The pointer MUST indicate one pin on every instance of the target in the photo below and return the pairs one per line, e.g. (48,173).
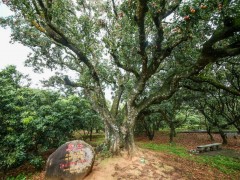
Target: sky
(16,54)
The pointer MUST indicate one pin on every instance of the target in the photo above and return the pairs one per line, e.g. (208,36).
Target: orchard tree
(133,47)
(219,104)
(172,111)
(149,121)
(33,120)
(10,80)
(169,113)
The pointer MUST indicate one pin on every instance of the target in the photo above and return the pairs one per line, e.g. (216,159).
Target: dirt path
(149,165)
(144,165)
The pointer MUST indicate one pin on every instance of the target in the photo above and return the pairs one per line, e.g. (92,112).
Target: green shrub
(37,162)
(32,120)
(19,177)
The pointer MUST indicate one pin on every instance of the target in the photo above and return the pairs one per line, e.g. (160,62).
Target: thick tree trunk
(210,134)
(90,136)
(150,134)
(150,131)
(208,127)
(223,136)
(97,130)
(120,137)
(172,133)
(120,140)
(128,139)
(127,131)
(112,138)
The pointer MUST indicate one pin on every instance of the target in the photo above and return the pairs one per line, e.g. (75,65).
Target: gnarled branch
(214,83)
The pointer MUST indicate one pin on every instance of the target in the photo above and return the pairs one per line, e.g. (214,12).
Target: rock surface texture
(71,161)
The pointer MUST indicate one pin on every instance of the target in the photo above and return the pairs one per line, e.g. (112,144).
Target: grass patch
(168,148)
(19,177)
(225,164)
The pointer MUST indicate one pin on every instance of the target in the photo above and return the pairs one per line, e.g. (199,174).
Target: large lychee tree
(142,50)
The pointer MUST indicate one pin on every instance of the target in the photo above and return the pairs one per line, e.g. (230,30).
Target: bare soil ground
(156,166)
(143,165)
(192,140)
(159,165)
(151,165)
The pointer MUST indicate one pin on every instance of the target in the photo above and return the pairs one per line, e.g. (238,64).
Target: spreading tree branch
(210,54)
(141,11)
(214,83)
(120,65)
(114,9)
(116,101)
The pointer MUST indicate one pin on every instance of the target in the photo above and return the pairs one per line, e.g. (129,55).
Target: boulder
(71,161)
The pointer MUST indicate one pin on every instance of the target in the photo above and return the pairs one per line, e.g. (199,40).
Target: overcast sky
(16,54)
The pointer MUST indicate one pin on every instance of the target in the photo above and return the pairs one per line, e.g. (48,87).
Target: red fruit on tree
(186,18)
(192,10)
(203,6)
(220,6)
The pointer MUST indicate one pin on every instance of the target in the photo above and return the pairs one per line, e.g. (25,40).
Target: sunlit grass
(225,164)
(169,148)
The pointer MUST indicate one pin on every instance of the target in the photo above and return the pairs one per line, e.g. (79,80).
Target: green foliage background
(33,121)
